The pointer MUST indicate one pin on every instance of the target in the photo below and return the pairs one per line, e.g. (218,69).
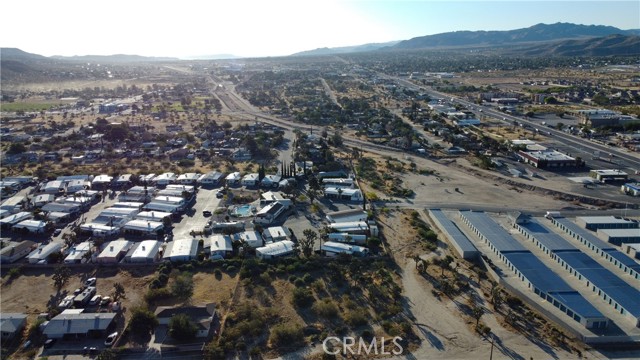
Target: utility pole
(491,353)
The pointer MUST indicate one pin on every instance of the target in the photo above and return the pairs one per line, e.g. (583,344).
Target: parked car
(66,302)
(206,213)
(219,194)
(57,232)
(77,291)
(90,282)
(95,300)
(105,301)
(49,343)
(111,339)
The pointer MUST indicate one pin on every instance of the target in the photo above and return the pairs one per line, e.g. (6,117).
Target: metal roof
(617,289)
(605,220)
(547,238)
(624,233)
(277,248)
(551,283)
(452,230)
(78,323)
(495,234)
(585,234)
(624,259)
(537,272)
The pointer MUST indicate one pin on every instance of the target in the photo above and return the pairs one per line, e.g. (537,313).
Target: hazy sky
(272,27)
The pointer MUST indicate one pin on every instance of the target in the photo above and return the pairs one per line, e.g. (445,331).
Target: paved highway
(630,161)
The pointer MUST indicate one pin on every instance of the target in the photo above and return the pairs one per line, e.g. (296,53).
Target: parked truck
(552,214)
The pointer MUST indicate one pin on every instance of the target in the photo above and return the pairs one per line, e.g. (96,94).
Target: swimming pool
(243,211)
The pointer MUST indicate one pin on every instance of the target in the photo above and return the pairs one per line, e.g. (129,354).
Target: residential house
(251,238)
(343,194)
(241,155)
(213,178)
(15,251)
(114,251)
(8,221)
(143,227)
(233,179)
(188,178)
(276,233)
(204,317)
(276,250)
(331,248)
(101,182)
(165,179)
(71,325)
(250,179)
(147,251)
(42,253)
(78,252)
(349,215)
(31,226)
(181,250)
(11,325)
(221,246)
(271,181)
(269,213)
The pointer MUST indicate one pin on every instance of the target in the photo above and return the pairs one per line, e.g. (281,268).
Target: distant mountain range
(118,58)
(600,46)
(346,49)
(534,34)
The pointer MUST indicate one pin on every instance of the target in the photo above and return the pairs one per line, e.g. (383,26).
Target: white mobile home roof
(16,218)
(147,178)
(43,199)
(214,176)
(128,204)
(166,177)
(221,243)
(336,247)
(350,226)
(233,176)
(277,232)
(152,215)
(346,237)
(252,238)
(77,252)
(164,207)
(139,190)
(124,178)
(4,213)
(53,186)
(43,252)
(146,249)
(34,225)
(102,179)
(113,248)
(119,212)
(169,199)
(351,215)
(66,207)
(181,249)
(272,196)
(143,225)
(188,188)
(276,249)
(188,177)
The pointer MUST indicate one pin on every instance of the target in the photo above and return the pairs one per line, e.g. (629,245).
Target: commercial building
(537,276)
(275,250)
(606,222)
(609,175)
(463,246)
(548,159)
(632,189)
(619,236)
(599,247)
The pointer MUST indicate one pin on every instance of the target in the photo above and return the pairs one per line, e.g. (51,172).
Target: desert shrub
(283,334)
(355,318)
(326,309)
(157,294)
(302,297)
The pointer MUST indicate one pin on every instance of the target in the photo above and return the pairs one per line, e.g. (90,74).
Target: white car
(95,300)
(111,339)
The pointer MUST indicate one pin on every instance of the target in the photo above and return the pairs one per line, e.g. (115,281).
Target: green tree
(477,312)
(16,148)
(118,292)
(182,328)
(306,244)
(61,276)
(182,287)
(142,321)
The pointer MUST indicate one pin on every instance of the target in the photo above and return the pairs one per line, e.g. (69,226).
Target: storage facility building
(463,246)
